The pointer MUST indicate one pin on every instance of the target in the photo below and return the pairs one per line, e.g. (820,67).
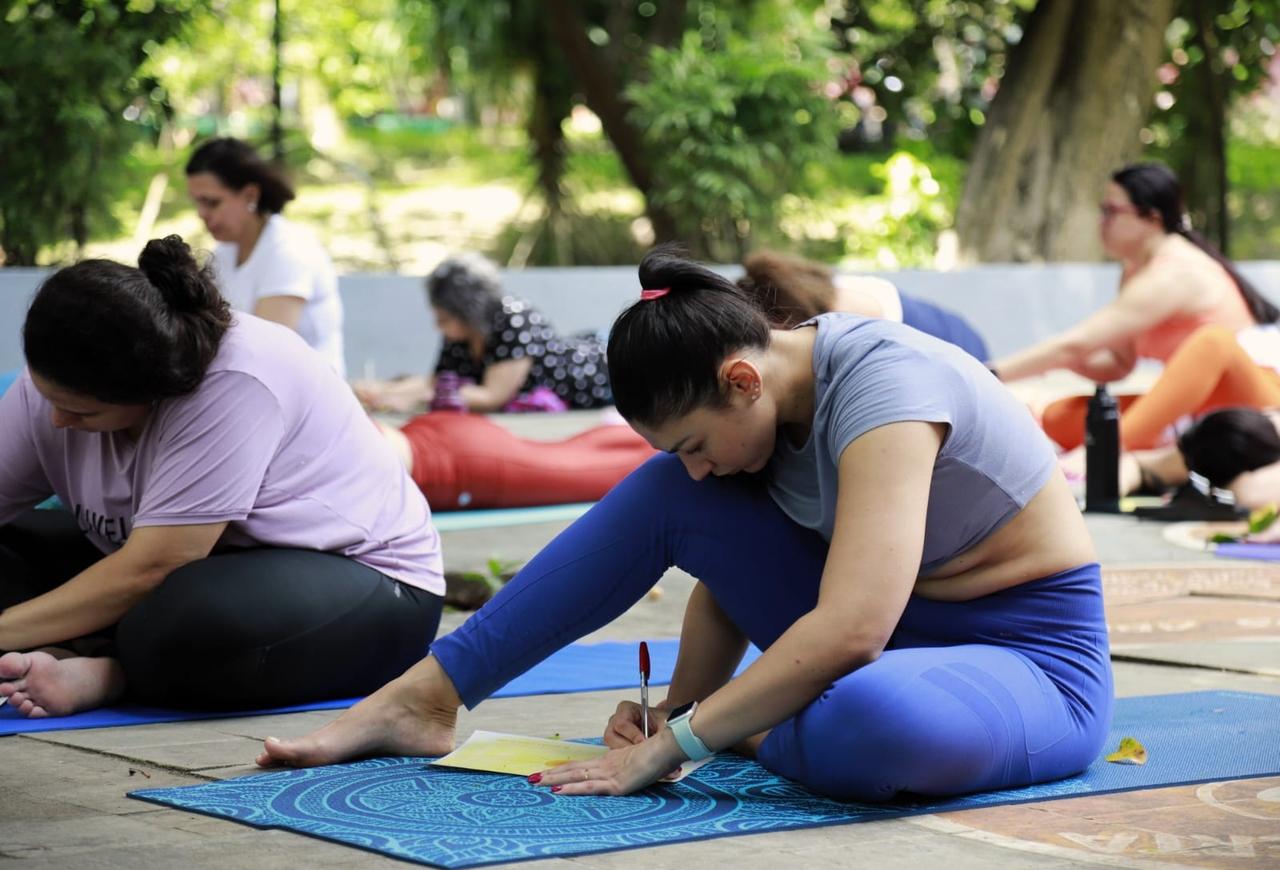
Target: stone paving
(1182,621)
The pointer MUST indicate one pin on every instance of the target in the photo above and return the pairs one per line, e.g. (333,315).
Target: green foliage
(396,155)
(1254,199)
(497,572)
(596,238)
(931,66)
(1218,53)
(732,126)
(360,57)
(886,213)
(73,106)
(369,55)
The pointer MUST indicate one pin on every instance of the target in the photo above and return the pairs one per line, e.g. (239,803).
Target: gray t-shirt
(869,373)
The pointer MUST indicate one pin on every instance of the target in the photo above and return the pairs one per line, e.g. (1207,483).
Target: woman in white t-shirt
(265,264)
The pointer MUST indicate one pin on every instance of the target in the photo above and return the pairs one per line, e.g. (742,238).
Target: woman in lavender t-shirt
(236,532)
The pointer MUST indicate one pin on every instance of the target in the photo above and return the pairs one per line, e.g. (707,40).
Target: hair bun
(171,267)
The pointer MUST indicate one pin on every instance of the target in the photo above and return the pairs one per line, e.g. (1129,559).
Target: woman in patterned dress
(504,353)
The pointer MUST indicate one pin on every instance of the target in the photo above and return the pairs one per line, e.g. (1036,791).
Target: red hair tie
(650,295)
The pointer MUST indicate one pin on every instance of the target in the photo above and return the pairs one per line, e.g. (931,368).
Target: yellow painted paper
(1130,752)
(517,755)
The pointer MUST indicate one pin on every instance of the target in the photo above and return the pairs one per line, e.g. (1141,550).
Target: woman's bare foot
(38,684)
(414,714)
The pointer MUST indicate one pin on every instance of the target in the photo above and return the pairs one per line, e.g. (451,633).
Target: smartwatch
(682,730)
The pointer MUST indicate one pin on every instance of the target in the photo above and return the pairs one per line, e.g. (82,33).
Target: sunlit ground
(422,223)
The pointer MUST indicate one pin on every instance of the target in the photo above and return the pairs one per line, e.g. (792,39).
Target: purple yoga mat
(1262,552)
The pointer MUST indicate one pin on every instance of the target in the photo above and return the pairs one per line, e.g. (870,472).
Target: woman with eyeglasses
(1180,302)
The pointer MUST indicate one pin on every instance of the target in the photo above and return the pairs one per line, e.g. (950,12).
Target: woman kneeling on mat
(866,504)
(237,534)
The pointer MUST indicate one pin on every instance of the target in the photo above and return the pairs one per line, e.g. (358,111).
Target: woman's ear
(740,378)
(252,193)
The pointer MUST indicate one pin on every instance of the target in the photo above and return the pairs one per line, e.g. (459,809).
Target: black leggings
(241,629)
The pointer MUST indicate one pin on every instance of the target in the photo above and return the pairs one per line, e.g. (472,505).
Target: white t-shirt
(287,261)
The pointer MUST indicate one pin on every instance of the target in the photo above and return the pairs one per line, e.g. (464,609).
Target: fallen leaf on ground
(1130,752)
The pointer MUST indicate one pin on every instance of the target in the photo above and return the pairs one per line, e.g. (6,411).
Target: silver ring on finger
(585,775)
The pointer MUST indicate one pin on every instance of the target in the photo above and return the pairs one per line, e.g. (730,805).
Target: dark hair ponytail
(236,164)
(128,336)
(1154,190)
(1225,444)
(664,353)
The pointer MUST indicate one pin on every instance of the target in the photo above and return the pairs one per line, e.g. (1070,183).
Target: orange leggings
(468,461)
(1209,370)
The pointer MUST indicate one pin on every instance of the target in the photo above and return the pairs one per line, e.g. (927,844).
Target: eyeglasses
(1110,210)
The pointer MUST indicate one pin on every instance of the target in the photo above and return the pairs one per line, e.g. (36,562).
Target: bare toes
(14,666)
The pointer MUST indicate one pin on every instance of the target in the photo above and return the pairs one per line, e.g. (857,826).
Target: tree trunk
(552,102)
(1204,168)
(604,96)
(1077,92)
(277,104)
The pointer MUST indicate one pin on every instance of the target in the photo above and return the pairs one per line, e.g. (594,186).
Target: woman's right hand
(369,393)
(626,725)
(401,396)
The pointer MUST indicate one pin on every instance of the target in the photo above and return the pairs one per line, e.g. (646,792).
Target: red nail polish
(556,788)
(535,778)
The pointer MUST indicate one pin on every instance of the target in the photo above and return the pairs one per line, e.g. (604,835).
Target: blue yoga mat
(577,668)
(460,521)
(453,818)
(463,521)
(1263,552)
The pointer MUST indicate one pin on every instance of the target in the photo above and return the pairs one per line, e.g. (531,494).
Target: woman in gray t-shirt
(866,504)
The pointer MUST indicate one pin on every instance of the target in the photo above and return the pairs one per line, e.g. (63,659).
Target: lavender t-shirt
(272,442)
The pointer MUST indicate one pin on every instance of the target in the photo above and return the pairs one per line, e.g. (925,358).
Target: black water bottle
(1102,454)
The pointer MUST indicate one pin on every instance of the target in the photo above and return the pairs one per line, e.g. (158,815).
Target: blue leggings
(943,324)
(1002,691)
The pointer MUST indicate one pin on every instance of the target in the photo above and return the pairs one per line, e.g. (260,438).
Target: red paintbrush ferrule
(644,659)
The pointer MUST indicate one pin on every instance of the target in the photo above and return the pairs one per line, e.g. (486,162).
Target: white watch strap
(690,744)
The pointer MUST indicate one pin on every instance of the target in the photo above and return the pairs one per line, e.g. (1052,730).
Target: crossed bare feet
(414,714)
(39,684)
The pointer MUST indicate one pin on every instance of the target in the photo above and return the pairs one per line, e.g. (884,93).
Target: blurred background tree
(1068,111)
(887,132)
(1219,56)
(73,103)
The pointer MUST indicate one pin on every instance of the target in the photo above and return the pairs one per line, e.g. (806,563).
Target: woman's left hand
(619,771)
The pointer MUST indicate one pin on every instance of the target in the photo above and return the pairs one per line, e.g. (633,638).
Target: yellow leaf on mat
(1130,752)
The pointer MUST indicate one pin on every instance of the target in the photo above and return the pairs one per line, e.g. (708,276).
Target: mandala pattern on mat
(454,818)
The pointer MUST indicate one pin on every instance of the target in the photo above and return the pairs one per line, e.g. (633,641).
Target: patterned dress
(573,367)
